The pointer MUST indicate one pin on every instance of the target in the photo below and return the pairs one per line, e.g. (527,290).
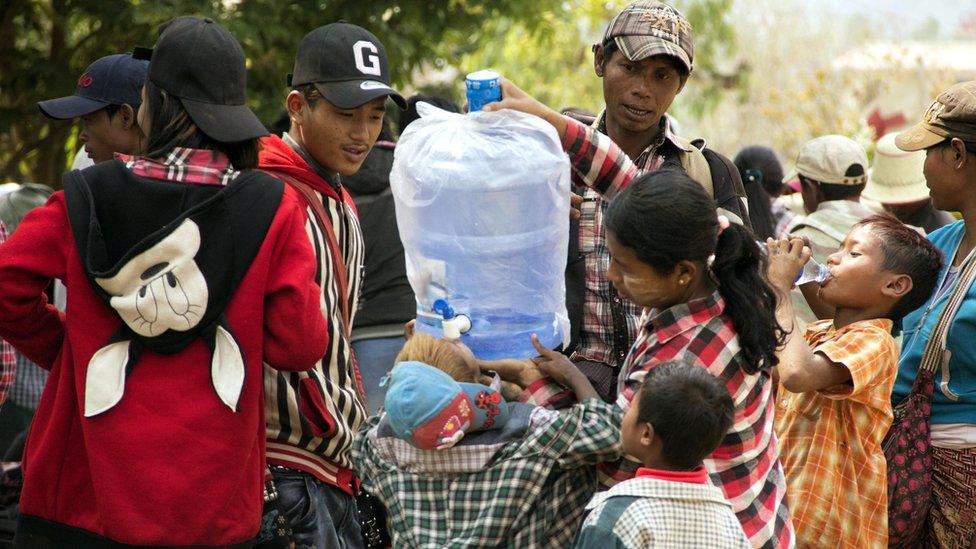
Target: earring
(683,281)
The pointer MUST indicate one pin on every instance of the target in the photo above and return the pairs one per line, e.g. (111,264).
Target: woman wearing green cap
(947,134)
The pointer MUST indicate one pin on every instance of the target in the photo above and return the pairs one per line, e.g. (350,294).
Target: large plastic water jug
(482,204)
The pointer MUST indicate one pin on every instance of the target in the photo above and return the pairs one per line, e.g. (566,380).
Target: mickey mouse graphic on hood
(162,288)
(168,272)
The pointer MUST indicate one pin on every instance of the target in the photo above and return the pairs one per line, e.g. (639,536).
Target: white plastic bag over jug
(482,204)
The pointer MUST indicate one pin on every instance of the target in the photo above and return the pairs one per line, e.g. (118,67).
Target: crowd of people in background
(208,333)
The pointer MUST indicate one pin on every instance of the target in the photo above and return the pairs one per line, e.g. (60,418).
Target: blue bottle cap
(441,307)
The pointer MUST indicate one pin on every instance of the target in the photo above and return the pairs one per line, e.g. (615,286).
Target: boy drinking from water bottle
(834,406)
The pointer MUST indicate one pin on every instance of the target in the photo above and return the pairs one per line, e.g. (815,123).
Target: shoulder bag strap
(322,220)
(936,354)
(695,164)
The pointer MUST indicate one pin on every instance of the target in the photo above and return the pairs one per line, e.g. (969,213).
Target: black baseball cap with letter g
(346,63)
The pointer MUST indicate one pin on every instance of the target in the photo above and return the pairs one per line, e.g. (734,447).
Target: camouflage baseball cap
(952,114)
(648,28)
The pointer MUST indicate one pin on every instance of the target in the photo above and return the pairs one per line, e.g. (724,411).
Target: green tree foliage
(48,43)
(541,44)
(551,58)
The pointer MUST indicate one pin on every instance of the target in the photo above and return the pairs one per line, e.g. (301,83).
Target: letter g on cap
(369,64)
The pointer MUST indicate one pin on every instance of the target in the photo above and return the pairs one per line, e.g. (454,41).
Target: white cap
(832,159)
(896,175)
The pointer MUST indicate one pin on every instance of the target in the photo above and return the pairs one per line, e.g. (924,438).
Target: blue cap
(112,80)
(430,410)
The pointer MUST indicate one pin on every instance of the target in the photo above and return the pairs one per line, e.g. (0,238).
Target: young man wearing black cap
(341,82)
(107,99)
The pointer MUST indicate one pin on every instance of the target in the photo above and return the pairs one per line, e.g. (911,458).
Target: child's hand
(786,259)
(521,372)
(555,365)
(575,203)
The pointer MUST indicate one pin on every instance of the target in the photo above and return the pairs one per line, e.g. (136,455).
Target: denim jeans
(375,357)
(321,516)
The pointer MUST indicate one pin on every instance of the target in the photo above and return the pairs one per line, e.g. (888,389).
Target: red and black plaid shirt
(182,165)
(598,162)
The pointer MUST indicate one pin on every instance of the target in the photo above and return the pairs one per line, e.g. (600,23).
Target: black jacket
(386,296)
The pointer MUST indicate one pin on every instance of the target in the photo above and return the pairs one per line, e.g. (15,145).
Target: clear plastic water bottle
(811,272)
(482,205)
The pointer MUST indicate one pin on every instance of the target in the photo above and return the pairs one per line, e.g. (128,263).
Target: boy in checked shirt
(836,408)
(678,417)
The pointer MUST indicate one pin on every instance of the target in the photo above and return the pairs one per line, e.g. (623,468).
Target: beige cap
(896,175)
(952,114)
(831,159)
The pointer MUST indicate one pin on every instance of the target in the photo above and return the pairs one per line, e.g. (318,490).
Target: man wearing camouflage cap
(644,59)
(947,134)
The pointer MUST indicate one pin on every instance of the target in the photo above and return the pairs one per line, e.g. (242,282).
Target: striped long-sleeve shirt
(312,416)
(8,357)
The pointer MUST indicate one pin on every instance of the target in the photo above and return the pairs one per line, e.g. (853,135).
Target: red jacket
(170,463)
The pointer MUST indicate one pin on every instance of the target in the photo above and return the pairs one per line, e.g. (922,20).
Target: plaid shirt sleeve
(546,393)
(597,161)
(867,351)
(8,358)
(593,434)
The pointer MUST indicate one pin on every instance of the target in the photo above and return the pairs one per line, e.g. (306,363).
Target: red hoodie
(277,156)
(169,464)
(329,397)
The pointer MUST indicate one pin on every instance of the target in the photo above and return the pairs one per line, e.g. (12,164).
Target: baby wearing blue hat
(429,409)
(457,465)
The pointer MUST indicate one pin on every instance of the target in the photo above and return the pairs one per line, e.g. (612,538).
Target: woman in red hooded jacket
(185,272)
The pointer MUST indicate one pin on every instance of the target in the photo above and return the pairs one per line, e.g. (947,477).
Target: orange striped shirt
(830,440)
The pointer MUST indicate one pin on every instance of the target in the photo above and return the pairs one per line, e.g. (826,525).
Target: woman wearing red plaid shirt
(704,299)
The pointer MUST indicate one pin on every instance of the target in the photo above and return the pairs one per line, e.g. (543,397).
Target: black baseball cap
(112,80)
(347,64)
(202,63)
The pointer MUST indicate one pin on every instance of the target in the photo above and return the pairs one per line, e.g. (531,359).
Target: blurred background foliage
(543,44)
(765,70)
